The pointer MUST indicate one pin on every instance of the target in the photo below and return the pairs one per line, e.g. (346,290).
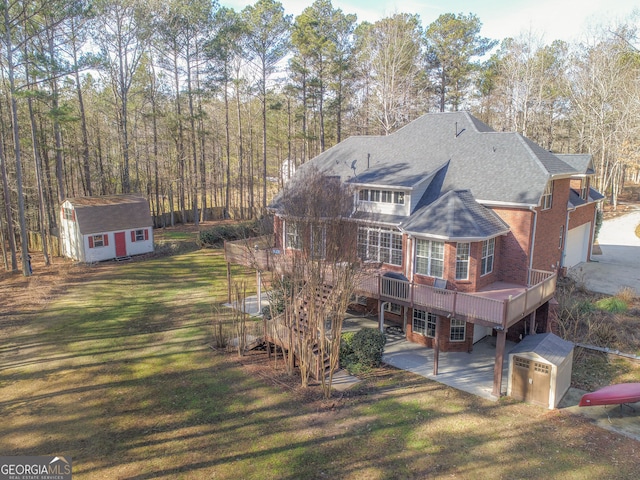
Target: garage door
(577,245)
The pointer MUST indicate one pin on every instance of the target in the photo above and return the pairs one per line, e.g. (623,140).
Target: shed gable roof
(547,345)
(111,213)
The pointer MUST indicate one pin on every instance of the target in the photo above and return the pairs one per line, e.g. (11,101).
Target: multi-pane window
(139,235)
(547,196)
(393,308)
(380,245)
(488,248)
(430,258)
(462,261)
(67,213)
(424,323)
(293,239)
(98,241)
(383,196)
(457,330)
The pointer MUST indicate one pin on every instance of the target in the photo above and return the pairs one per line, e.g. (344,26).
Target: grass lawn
(117,372)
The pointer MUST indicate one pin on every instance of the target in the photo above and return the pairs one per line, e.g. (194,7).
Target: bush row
(361,350)
(217,235)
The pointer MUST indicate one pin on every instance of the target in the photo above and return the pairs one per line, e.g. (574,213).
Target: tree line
(196,105)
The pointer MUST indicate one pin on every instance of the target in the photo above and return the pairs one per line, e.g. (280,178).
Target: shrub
(347,355)
(368,345)
(612,304)
(220,233)
(584,306)
(236,231)
(599,219)
(627,295)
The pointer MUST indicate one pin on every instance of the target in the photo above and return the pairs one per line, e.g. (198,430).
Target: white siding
(71,242)
(98,254)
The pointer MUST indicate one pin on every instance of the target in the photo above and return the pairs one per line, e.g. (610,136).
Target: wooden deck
(498,305)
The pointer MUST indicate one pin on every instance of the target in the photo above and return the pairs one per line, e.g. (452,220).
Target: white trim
(426,236)
(498,203)
(533,240)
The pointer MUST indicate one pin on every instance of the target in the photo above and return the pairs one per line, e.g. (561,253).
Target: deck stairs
(304,308)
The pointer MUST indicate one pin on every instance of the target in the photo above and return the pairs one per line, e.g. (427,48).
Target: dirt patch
(21,296)
(628,201)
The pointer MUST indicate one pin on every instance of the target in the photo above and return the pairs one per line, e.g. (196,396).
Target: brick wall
(582,215)
(547,251)
(517,331)
(446,345)
(278,226)
(513,255)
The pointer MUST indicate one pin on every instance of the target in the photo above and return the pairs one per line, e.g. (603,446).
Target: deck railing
(498,312)
(530,299)
(541,288)
(254,252)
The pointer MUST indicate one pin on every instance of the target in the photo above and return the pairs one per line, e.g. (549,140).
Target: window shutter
(133,235)
(90,242)
(146,234)
(106,239)
(73,214)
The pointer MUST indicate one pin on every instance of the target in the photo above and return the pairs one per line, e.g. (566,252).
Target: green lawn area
(117,372)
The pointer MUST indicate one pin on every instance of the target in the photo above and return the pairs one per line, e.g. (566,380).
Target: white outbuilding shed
(93,229)
(540,369)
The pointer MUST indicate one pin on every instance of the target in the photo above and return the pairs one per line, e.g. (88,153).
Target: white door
(577,245)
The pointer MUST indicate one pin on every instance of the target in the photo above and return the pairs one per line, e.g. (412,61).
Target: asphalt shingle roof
(455,215)
(496,166)
(582,162)
(111,213)
(450,152)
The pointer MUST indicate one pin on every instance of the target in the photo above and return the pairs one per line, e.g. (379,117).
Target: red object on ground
(612,395)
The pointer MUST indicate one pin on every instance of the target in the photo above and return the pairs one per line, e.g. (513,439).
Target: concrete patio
(470,372)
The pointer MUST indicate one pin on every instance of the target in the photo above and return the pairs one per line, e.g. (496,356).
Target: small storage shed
(93,229)
(540,369)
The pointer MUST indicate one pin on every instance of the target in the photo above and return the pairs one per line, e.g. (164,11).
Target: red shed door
(121,245)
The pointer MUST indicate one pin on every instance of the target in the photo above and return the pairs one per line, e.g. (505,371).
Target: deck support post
(381,318)
(404,320)
(497,367)
(228,282)
(259,288)
(436,346)
(532,323)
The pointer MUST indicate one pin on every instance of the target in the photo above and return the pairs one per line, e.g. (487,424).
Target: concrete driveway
(619,264)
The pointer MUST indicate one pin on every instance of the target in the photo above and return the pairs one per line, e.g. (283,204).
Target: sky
(548,19)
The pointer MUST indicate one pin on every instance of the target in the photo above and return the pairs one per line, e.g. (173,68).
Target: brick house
(469,227)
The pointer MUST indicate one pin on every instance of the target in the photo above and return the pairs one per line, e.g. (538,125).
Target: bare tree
(605,96)
(322,269)
(392,49)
